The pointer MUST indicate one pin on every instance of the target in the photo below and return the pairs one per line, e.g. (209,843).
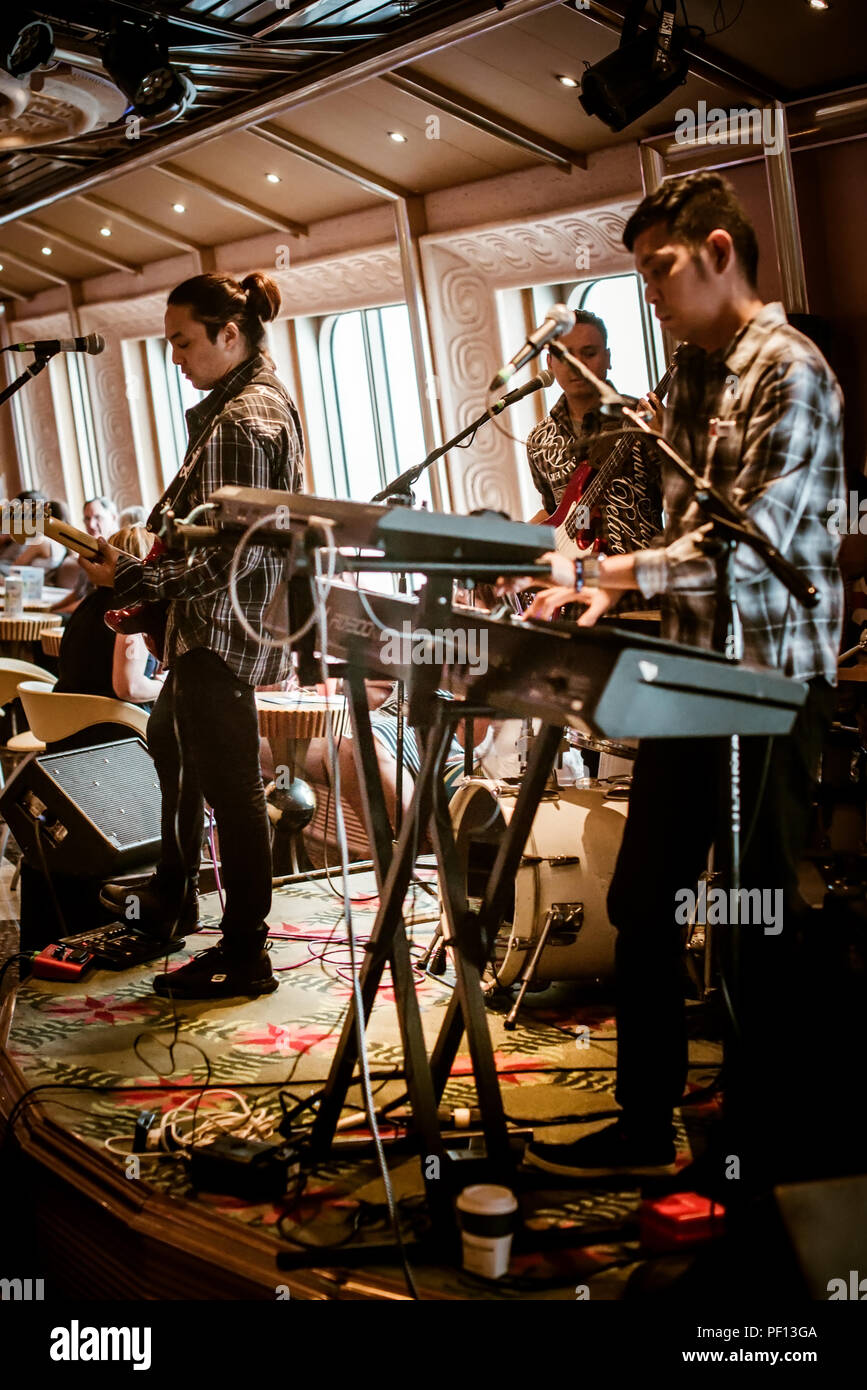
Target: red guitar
(580,502)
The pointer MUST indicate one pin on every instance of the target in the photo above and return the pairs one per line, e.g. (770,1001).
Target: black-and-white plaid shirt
(245,432)
(763,421)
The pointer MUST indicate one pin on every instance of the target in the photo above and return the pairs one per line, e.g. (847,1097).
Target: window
(634,335)
(82,420)
(172,395)
(361,401)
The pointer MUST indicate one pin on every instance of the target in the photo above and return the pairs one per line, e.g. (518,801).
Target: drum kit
(555,927)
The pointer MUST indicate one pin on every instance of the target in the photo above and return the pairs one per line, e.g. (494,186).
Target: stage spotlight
(639,74)
(136,59)
(25,42)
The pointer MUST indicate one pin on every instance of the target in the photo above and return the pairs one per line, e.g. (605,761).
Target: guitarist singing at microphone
(203,733)
(628,515)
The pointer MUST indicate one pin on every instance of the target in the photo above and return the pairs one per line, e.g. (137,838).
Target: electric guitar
(580,502)
(147,618)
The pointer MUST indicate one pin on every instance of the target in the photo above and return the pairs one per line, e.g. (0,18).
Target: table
(17,635)
(50,595)
(50,641)
(290,720)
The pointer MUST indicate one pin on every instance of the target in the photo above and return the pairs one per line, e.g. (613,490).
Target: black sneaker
(608,1152)
(212,974)
(139,902)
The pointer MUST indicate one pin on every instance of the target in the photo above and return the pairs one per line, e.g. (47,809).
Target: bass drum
(567,865)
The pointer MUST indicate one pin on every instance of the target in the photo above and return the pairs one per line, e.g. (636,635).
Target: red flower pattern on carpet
(107,1009)
(274,1038)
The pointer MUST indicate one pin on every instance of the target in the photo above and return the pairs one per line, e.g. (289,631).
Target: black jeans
(678,787)
(213,756)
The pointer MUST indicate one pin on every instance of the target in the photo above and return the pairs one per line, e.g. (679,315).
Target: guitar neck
(618,455)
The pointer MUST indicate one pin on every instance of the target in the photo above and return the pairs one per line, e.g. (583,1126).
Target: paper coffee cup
(487,1217)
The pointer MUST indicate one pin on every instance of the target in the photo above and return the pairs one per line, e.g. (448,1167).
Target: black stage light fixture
(640,73)
(135,56)
(25,42)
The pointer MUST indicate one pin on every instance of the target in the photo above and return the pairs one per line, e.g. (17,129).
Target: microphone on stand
(557,321)
(93,343)
(541,382)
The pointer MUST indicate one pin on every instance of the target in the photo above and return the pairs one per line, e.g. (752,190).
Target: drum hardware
(700,942)
(561,918)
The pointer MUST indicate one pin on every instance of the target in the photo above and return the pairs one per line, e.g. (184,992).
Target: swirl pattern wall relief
(36,401)
(463,273)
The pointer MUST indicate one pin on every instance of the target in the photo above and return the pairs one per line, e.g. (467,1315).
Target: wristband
(586,571)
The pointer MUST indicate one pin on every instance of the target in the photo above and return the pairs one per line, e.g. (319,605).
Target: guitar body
(573,527)
(577,522)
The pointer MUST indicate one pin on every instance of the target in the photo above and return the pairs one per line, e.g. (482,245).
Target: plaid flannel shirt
(245,432)
(763,421)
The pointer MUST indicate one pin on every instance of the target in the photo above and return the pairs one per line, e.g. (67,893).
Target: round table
(50,641)
(17,635)
(289,720)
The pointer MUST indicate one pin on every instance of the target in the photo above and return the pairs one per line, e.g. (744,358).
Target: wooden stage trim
(109,1237)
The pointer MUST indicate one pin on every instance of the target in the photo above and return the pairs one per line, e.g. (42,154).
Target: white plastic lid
(486,1199)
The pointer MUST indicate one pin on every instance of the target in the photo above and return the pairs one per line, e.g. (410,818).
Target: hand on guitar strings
(101,572)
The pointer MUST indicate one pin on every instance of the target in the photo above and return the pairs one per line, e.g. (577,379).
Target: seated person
(42,551)
(100,519)
(96,661)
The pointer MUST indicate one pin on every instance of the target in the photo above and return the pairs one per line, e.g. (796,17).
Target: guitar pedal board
(62,961)
(119,947)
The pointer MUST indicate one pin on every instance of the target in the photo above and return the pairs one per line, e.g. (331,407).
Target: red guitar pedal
(62,963)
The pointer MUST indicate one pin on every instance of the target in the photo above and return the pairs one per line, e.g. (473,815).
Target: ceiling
(308,93)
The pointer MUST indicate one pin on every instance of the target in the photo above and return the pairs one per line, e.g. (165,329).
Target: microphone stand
(42,360)
(400,487)
(399,490)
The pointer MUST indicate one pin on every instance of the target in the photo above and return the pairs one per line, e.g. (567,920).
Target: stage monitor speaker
(87,813)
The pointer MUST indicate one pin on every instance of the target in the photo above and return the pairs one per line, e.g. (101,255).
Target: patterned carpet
(111,1031)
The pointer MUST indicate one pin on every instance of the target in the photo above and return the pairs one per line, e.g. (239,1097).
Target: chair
(12,673)
(53,716)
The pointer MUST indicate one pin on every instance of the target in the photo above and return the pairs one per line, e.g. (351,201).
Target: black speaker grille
(116,787)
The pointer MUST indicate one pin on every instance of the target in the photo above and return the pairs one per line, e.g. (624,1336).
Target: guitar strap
(180,486)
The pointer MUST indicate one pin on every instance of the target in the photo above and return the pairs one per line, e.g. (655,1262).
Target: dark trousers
(678,788)
(203,736)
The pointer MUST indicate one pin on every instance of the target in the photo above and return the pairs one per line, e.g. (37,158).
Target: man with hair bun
(203,733)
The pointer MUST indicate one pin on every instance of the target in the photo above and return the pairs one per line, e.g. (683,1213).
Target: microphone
(537,383)
(557,321)
(93,343)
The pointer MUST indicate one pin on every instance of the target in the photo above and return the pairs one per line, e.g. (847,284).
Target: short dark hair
(216,299)
(690,208)
(585,316)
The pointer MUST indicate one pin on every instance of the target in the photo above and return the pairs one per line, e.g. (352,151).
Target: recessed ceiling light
(1,267)
(396,136)
(105,231)
(46,250)
(273,178)
(567,81)
(179,207)
(819,4)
